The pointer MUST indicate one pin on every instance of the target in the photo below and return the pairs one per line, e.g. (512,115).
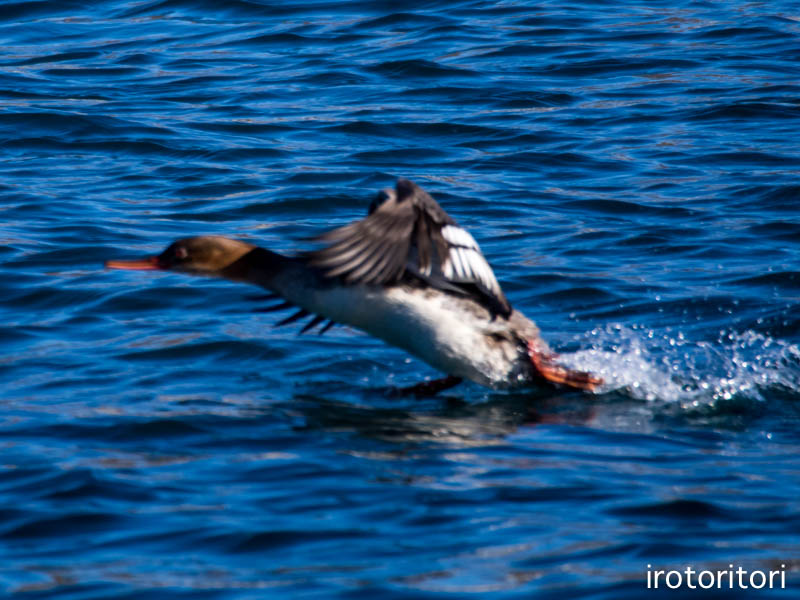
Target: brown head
(200,255)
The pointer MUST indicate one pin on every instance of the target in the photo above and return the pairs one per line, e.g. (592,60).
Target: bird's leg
(429,388)
(545,364)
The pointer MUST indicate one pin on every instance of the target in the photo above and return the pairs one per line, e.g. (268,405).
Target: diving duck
(407,274)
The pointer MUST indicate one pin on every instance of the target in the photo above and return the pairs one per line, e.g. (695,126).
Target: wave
(667,366)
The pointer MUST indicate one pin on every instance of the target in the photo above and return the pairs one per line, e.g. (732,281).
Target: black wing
(408,232)
(373,250)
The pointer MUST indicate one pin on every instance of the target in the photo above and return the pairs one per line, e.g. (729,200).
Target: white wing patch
(459,237)
(465,263)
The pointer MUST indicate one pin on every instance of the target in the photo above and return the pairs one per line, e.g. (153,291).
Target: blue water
(632,171)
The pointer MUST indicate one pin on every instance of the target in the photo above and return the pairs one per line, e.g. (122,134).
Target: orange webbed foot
(546,365)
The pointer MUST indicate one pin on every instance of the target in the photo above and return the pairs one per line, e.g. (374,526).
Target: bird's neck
(287,276)
(258,266)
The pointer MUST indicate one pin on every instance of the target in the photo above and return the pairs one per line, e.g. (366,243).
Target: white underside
(436,327)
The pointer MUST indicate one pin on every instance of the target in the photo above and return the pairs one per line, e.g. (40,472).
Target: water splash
(667,366)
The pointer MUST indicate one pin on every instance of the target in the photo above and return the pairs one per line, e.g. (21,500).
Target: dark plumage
(408,236)
(407,274)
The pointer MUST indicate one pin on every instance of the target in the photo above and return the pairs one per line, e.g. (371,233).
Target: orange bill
(142,264)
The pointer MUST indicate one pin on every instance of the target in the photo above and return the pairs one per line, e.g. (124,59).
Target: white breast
(449,333)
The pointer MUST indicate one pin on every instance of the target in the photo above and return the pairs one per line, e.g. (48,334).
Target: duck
(406,274)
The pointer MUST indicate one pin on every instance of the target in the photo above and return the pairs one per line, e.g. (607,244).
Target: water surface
(630,170)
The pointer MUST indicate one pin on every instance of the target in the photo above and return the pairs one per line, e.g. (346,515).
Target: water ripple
(632,175)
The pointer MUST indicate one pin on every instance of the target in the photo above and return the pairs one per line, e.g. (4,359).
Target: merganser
(407,274)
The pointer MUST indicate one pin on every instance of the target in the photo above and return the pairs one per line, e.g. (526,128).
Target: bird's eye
(181,252)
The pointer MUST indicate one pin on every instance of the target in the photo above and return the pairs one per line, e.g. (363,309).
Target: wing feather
(407,231)
(327,326)
(458,263)
(373,250)
(465,263)
(312,323)
(366,269)
(300,314)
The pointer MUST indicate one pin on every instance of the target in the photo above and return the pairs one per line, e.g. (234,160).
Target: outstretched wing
(371,251)
(465,264)
(408,232)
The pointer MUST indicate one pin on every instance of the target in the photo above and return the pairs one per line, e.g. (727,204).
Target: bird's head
(200,255)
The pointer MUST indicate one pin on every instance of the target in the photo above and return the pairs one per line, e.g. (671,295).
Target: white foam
(667,366)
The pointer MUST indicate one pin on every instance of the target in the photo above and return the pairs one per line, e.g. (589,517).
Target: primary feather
(407,234)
